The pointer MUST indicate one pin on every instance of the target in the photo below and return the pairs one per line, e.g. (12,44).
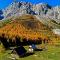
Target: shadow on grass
(26,55)
(38,49)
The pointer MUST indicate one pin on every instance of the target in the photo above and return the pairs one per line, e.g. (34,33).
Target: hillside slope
(48,22)
(27,26)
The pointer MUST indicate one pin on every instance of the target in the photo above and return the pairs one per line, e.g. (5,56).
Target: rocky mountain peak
(19,8)
(42,9)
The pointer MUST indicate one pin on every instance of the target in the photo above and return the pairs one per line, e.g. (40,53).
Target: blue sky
(5,3)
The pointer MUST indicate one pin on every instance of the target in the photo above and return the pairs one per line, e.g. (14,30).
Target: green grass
(52,53)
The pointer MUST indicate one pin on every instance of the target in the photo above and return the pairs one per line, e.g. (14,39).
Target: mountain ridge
(18,8)
(42,9)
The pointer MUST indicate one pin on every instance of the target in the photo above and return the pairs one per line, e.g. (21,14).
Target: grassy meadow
(51,53)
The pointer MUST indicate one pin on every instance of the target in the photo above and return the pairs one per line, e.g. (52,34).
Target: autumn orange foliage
(26,27)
